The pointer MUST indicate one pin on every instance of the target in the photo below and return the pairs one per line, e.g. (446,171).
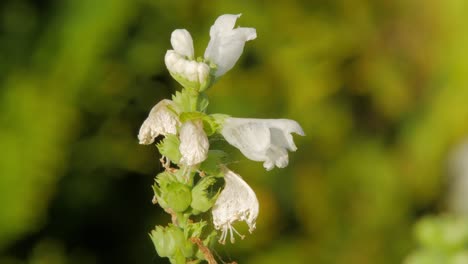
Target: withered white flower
(194,143)
(160,121)
(264,140)
(237,202)
(224,49)
(227,43)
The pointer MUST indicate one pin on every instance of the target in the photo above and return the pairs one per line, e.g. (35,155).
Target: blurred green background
(380,88)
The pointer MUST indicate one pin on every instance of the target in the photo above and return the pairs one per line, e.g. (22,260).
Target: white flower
(264,140)
(224,49)
(194,143)
(227,43)
(237,202)
(161,121)
(180,61)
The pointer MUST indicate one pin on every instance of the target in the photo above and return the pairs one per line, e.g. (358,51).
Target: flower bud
(189,73)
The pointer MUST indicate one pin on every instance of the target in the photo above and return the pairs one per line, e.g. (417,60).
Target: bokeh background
(380,88)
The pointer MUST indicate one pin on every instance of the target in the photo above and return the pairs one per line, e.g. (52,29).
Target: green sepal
(178,258)
(178,196)
(210,126)
(171,193)
(219,119)
(202,102)
(194,86)
(162,180)
(207,242)
(186,100)
(202,197)
(166,240)
(212,164)
(169,147)
(189,116)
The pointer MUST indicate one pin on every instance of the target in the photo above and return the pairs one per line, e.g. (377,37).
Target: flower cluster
(190,183)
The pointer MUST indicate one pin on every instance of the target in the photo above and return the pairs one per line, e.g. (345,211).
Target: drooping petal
(264,140)
(226,43)
(194,143)
(160,121)
(182,42)
(251,138)
(237,202)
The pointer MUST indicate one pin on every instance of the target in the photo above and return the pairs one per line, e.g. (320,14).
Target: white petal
(194,143)
(226,44)
(251,138)
(160,121)
(223,23)
(174,61)
(264,140)
(188,69)
(237,202)
(203,72)
(182,42)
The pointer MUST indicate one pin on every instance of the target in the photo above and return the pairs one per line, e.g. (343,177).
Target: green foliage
(442,239)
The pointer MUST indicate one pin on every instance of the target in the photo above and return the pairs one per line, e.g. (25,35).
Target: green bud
(165,240)
(169,147)
(202,198)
